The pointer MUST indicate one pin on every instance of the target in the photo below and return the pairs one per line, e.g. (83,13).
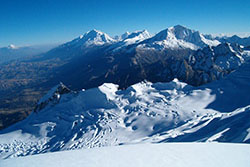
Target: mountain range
(176,86)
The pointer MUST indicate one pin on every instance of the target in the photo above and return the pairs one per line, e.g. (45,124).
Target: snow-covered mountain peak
(180,37)
(90,38)
(144,34)
(181,32)
(96,37)
(93,33)
(129,38)
(176,32)
(136,36)
(12,46)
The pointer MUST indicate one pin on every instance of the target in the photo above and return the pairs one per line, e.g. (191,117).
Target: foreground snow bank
(146,155)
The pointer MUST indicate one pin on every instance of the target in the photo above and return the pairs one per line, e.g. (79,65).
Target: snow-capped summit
(136,36)
(129,38)
(133,37)
(95,37)
(90,38)
(180,37)
(12,46)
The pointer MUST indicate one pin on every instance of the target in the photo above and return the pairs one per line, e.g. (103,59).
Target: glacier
(143,113)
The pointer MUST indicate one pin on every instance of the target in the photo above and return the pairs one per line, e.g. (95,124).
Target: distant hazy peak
(12,46)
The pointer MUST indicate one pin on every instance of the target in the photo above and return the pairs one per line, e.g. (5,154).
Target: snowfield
(143,155)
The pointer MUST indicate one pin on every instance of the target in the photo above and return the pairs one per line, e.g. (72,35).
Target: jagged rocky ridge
(52,97)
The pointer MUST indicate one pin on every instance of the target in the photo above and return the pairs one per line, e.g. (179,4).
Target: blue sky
(32,22)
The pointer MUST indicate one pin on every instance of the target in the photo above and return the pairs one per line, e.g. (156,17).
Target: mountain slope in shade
(144,112)
(212,63)
(147,155)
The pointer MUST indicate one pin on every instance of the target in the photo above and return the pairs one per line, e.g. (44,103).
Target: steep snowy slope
(144,112)
(143,155)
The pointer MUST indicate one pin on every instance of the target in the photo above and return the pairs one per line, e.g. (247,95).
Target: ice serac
(179,37)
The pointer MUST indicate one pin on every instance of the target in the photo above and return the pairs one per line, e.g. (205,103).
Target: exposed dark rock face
(53,97)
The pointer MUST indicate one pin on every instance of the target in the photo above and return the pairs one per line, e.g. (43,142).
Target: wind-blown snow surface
(144,112)
(143,155)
